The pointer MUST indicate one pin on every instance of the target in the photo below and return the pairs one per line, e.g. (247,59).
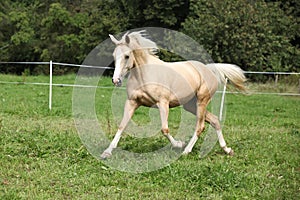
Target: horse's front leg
(130,107)
(164,113)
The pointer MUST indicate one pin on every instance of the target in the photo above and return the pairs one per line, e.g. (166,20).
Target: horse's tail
(234,73)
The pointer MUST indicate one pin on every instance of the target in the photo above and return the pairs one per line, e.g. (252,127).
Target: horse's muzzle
(117,82)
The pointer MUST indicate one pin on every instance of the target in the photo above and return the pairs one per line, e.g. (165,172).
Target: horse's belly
(151,94)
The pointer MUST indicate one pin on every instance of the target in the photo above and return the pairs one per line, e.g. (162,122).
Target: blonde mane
(140,40)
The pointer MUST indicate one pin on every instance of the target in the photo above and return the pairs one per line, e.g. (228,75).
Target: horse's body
(155,83)
(175,82)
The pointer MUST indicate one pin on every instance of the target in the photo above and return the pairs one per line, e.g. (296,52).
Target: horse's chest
(145,98)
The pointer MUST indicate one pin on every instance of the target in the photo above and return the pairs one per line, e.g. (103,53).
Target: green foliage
(103,18)
(24,33)
(258,35)
(166,13)
(62,42)
(155,13)
(255,35)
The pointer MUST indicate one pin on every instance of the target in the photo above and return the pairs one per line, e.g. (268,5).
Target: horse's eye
(126,57)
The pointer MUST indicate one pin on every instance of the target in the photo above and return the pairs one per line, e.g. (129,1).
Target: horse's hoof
(181,144)
(231,153)
(228,151)
(184,153)
(105,155)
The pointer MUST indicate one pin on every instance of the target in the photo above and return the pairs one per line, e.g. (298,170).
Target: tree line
(258,35)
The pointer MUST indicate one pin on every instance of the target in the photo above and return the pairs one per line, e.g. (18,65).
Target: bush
(257,36)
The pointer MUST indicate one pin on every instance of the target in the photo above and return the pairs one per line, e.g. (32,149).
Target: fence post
(276,79)
(299,85)
(222,101)
(50,85)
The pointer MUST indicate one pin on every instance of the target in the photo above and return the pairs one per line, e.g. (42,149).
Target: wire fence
(50,84)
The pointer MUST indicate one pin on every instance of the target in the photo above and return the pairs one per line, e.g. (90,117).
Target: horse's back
(198,74)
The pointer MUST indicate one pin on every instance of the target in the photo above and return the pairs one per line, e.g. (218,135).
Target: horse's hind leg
(164,113)
(191,107)
(201,105)
(130,107)
(214,122)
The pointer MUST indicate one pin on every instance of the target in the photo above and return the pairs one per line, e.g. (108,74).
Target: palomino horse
(155,83)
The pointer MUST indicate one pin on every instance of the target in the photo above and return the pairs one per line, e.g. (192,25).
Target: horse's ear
(113,39)
(127,39)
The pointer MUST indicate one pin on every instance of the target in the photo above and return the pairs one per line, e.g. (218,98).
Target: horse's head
(130,51)
(124,58)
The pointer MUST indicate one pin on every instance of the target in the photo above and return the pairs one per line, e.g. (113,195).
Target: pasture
(42,156)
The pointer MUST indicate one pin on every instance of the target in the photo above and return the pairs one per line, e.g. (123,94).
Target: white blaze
(118,68)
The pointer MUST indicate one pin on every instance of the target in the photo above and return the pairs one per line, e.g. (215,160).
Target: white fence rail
(51,84)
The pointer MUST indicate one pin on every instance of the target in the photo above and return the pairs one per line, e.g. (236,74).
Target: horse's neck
(142,59)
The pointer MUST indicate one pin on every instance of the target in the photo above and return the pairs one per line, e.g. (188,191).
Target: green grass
(42,156)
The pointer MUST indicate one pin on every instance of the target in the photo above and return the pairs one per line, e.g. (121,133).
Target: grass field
(42,156)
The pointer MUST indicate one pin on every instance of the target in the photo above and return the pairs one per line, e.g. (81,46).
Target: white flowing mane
(141,40)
